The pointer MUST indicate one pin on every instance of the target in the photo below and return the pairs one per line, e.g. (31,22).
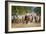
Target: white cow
(13,19)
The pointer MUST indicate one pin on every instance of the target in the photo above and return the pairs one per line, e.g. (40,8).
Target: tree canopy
(37,10)
(20,10)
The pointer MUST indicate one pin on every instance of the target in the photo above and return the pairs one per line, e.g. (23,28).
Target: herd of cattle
(26,19)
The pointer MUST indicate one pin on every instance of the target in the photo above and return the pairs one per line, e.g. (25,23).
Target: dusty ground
(20,25)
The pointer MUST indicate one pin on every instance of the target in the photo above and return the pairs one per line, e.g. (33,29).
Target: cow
(14,19)
(37,19)
(28,18)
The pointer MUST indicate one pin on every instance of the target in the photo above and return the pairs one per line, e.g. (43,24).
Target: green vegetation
(38,10)
(20,10)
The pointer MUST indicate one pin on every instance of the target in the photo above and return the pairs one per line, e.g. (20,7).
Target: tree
(20,10)
(38,10)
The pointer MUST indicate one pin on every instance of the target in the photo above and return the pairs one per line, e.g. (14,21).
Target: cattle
(13,19)
(19,19)
(25,19)
(28,18)
(37,19)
